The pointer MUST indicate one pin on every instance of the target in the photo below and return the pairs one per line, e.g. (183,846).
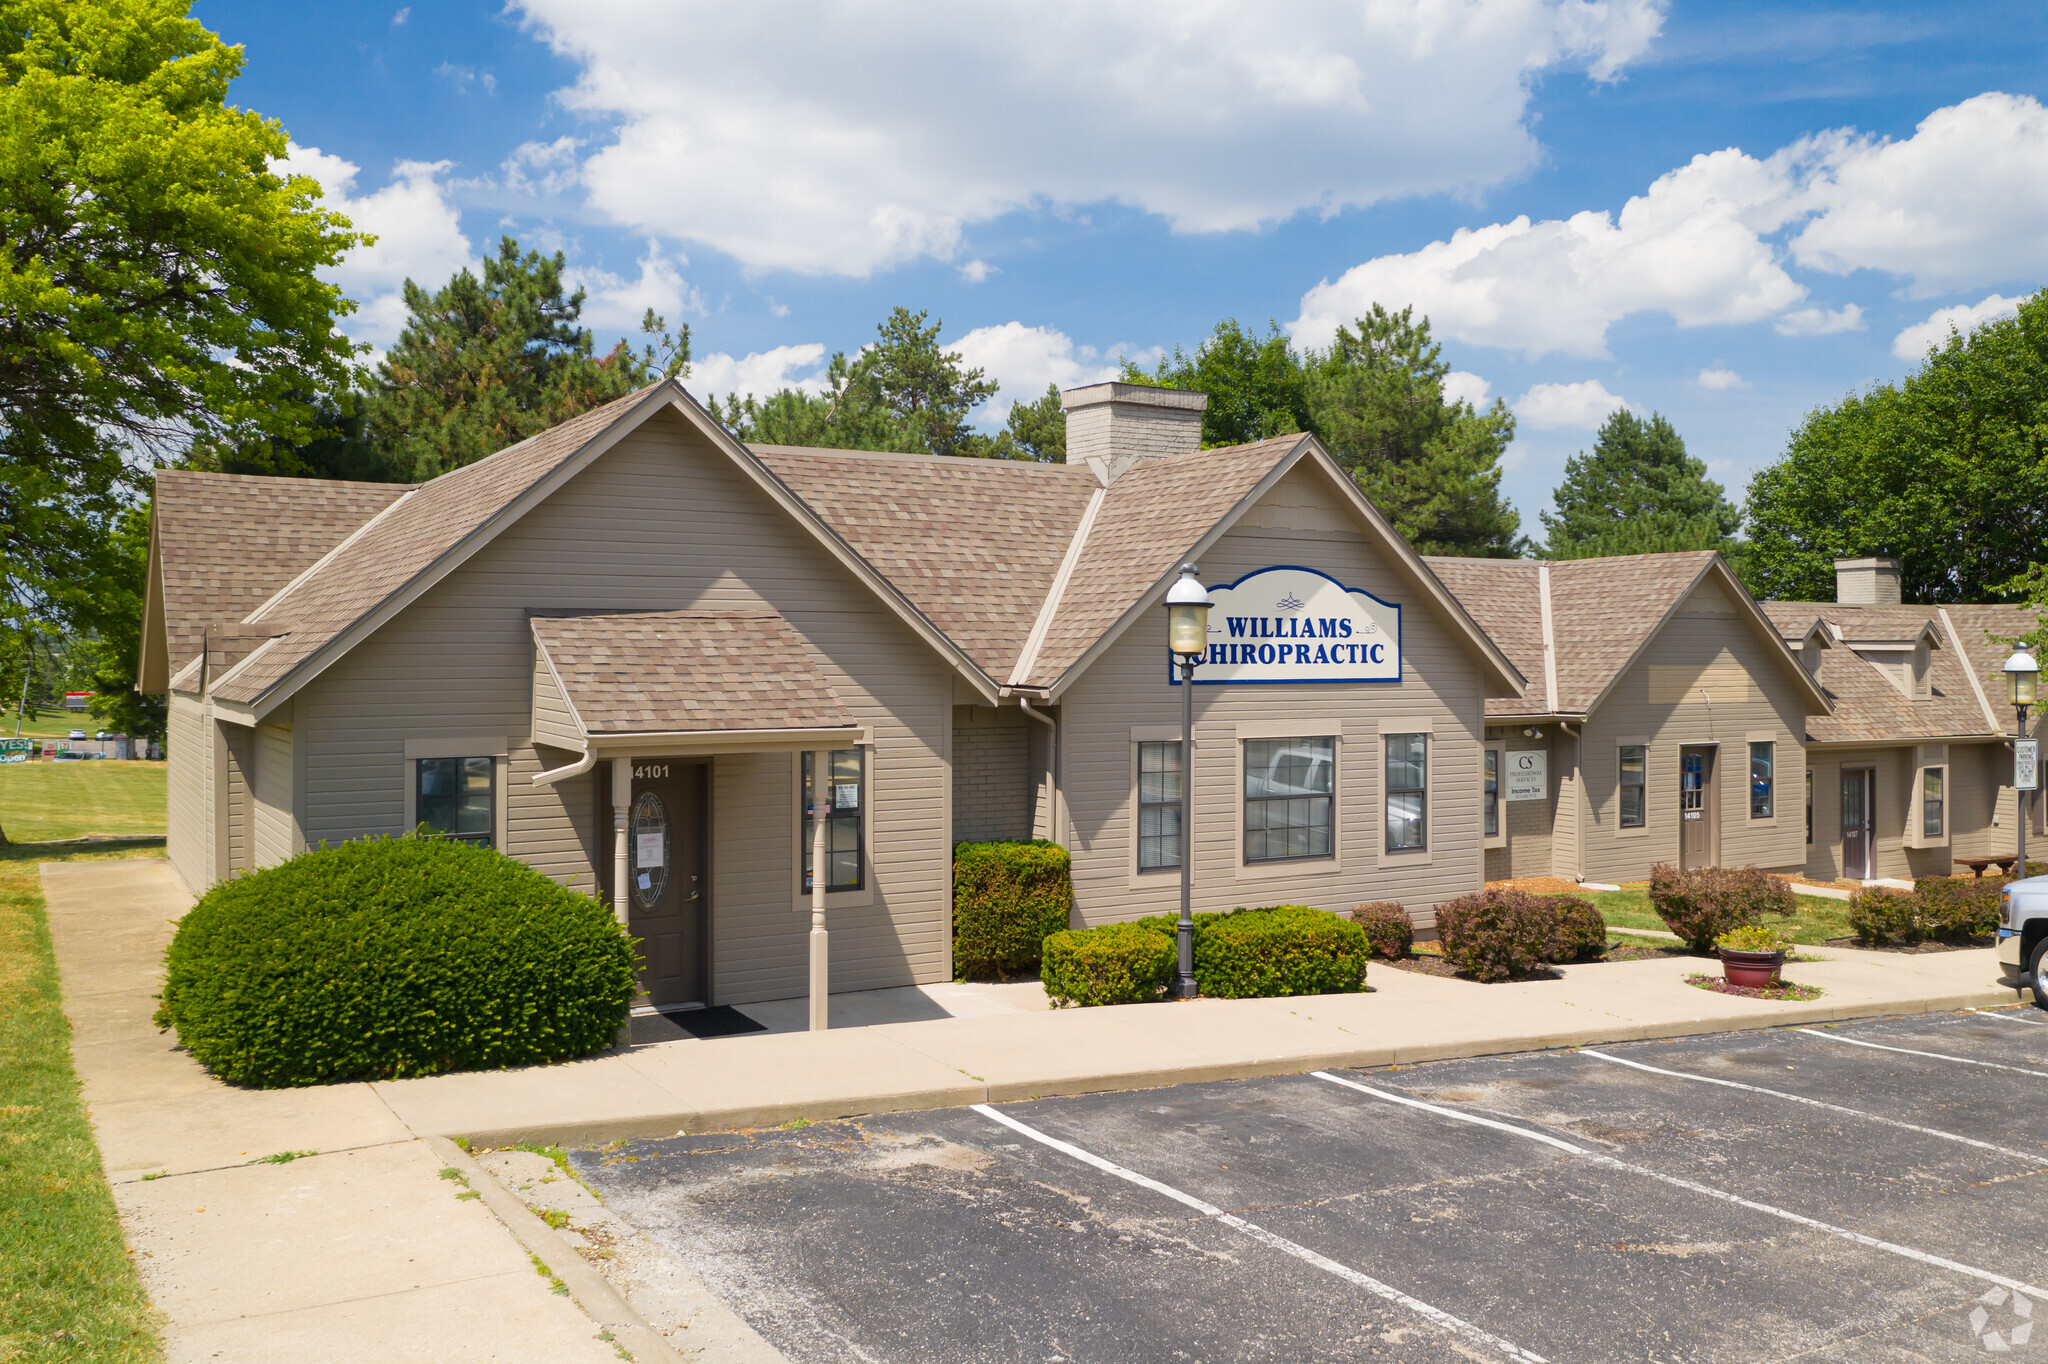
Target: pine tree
(1637,492)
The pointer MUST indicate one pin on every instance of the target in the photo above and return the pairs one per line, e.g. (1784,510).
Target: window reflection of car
(1309,766)
(72,756)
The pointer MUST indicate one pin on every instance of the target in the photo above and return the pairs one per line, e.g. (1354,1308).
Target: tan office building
(634,622)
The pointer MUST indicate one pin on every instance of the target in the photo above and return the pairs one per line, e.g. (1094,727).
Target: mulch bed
(1911,949)
(1784,991)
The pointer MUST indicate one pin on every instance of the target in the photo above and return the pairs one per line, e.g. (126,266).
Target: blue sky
(1734,213)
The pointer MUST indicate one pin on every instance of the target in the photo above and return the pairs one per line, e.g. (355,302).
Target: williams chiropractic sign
(1286,624)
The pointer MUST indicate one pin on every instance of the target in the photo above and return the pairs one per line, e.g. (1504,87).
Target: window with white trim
(1290,798)
(456,798)
(1635,805)
(1407,792)
(1491,815)
(1933,810)
(1763,762)
(1159,779)
(845,791)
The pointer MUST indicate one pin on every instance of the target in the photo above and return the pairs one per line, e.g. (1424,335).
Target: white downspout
(574,769)
(1052,766)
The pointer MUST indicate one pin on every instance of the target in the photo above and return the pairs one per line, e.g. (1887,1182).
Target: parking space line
(2010,1018)
(1940,1262)
(1819,1103)
(1908,1051)
(1437,1315)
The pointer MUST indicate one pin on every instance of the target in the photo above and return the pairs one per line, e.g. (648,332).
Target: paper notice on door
(646,881)
(648,851)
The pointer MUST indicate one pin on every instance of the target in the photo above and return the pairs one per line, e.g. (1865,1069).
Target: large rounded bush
(1581,932)
(1113,964)
(393,957)
(1497,934)
(1007,899)
(1388,927)
(1701,903)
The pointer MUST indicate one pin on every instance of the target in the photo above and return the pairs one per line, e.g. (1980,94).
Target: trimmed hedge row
(1008,898)
(1243,954)
(392,957)
(1702,903)
(1938,908)
(1505,934)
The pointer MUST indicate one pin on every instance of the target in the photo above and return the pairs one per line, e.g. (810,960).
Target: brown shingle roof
(228,542)
(1501,595)
(973,543)
(1868,707)
(687,672)
(407,539)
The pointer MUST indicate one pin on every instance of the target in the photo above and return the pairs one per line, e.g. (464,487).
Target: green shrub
(1497,934)
(393,957)
(1956,908)
(1702,903)
(1007,898)
(1580,934)
(1285,950)
(1387,927)
(1880,915)
(1113,964)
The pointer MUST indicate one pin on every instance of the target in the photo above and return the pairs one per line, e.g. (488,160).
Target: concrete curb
(698,1120)
(589,1289)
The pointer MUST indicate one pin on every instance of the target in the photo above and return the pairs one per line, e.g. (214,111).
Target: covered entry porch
(651,702)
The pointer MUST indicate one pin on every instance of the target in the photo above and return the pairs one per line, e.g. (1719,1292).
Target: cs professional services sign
(1527,778)
(1286,624)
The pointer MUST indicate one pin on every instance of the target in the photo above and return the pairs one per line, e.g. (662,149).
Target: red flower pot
(1756,970)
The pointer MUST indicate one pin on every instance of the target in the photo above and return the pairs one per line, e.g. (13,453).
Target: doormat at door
(720,1020)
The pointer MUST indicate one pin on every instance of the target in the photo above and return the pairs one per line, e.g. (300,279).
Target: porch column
(821,810)
(622,818)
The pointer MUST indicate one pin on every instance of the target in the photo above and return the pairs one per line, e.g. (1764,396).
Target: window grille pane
(1492,802)
(454,797)
(1761,760)
(1930,802)
(1288,809)
(1407,791)
(1633,803)
(845,790)
(1159,791)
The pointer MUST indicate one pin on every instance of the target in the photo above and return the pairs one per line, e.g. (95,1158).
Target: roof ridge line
(1969,669)
(1027,657)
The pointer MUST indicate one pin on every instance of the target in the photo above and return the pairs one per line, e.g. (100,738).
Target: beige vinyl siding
(660,522)
(239,754)
(1973,769)
(1299,523)
(553,720)
(1976,772)
(994,781)
(272,792)
(1529,823)
(187,758)
(1729,687)
(1567,850)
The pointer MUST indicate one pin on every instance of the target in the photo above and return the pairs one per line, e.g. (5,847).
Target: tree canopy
(1637,492)
(158,281)
(1944,470)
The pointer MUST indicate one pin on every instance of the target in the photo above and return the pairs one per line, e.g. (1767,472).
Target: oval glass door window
(650,850)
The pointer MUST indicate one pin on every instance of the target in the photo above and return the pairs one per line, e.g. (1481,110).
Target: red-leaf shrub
(1496,934)
(1702,903)
(1388,927)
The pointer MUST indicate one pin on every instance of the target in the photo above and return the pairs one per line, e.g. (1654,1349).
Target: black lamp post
(2022,673)
(1187,635)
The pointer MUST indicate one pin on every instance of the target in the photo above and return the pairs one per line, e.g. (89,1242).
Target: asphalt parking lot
(1867,1191)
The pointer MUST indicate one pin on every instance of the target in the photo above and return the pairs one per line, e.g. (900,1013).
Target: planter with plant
(1752,955)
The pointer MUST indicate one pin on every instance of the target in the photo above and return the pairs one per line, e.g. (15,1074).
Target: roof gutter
(574,769)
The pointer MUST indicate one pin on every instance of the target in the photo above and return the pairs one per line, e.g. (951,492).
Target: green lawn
(67,1288)
(1818,919)
(51,724)
(42,801)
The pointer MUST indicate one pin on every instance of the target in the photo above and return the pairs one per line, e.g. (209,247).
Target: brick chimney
(1112,426)
(1867,582)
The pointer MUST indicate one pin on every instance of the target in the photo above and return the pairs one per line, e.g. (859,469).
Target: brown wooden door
(1856,822)
(1698,807)
(667,904)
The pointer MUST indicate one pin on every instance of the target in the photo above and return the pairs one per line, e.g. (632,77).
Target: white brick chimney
(1868,582)
(1112,426)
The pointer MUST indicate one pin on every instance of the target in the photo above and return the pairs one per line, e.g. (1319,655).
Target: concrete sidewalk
(364,1252)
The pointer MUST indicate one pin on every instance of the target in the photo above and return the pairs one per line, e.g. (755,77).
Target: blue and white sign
(1286,624)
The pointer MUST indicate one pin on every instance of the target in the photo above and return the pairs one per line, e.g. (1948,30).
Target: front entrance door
(1857,822)
(1697,807)
(668,910)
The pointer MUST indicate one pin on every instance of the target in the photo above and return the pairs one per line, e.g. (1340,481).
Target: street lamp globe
(2022,674)
(1187,615)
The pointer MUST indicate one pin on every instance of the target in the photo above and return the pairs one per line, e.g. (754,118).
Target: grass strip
(1818,919)
(68,1290)
(41,802)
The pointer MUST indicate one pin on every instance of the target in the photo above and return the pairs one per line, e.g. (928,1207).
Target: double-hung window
(1931,812)
(1762,762)
(1407,792)
(1159,778)
(1491,813)
(1634,786)
(845,796)
(1290,790)
(456,798)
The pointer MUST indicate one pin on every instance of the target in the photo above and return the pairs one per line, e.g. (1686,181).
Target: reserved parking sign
(2026,764)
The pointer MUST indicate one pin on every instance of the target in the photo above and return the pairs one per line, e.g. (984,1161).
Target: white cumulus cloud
(1023,360)
(418,231)
(617,302)
(542,167)
(864,136)
(1715,377)
(1555,407)
(758,374)
(1961,203)
(1914,341)
(1460,386)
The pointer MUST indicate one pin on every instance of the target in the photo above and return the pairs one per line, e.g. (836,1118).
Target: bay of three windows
(1288,799)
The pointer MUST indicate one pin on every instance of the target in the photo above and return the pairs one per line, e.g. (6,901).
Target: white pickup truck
(2023,936)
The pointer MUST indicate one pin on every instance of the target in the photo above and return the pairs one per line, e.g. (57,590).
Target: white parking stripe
(1817,1103)
(1936,1055)
(2010,1018)
(1970,1271)
(1455,1325)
